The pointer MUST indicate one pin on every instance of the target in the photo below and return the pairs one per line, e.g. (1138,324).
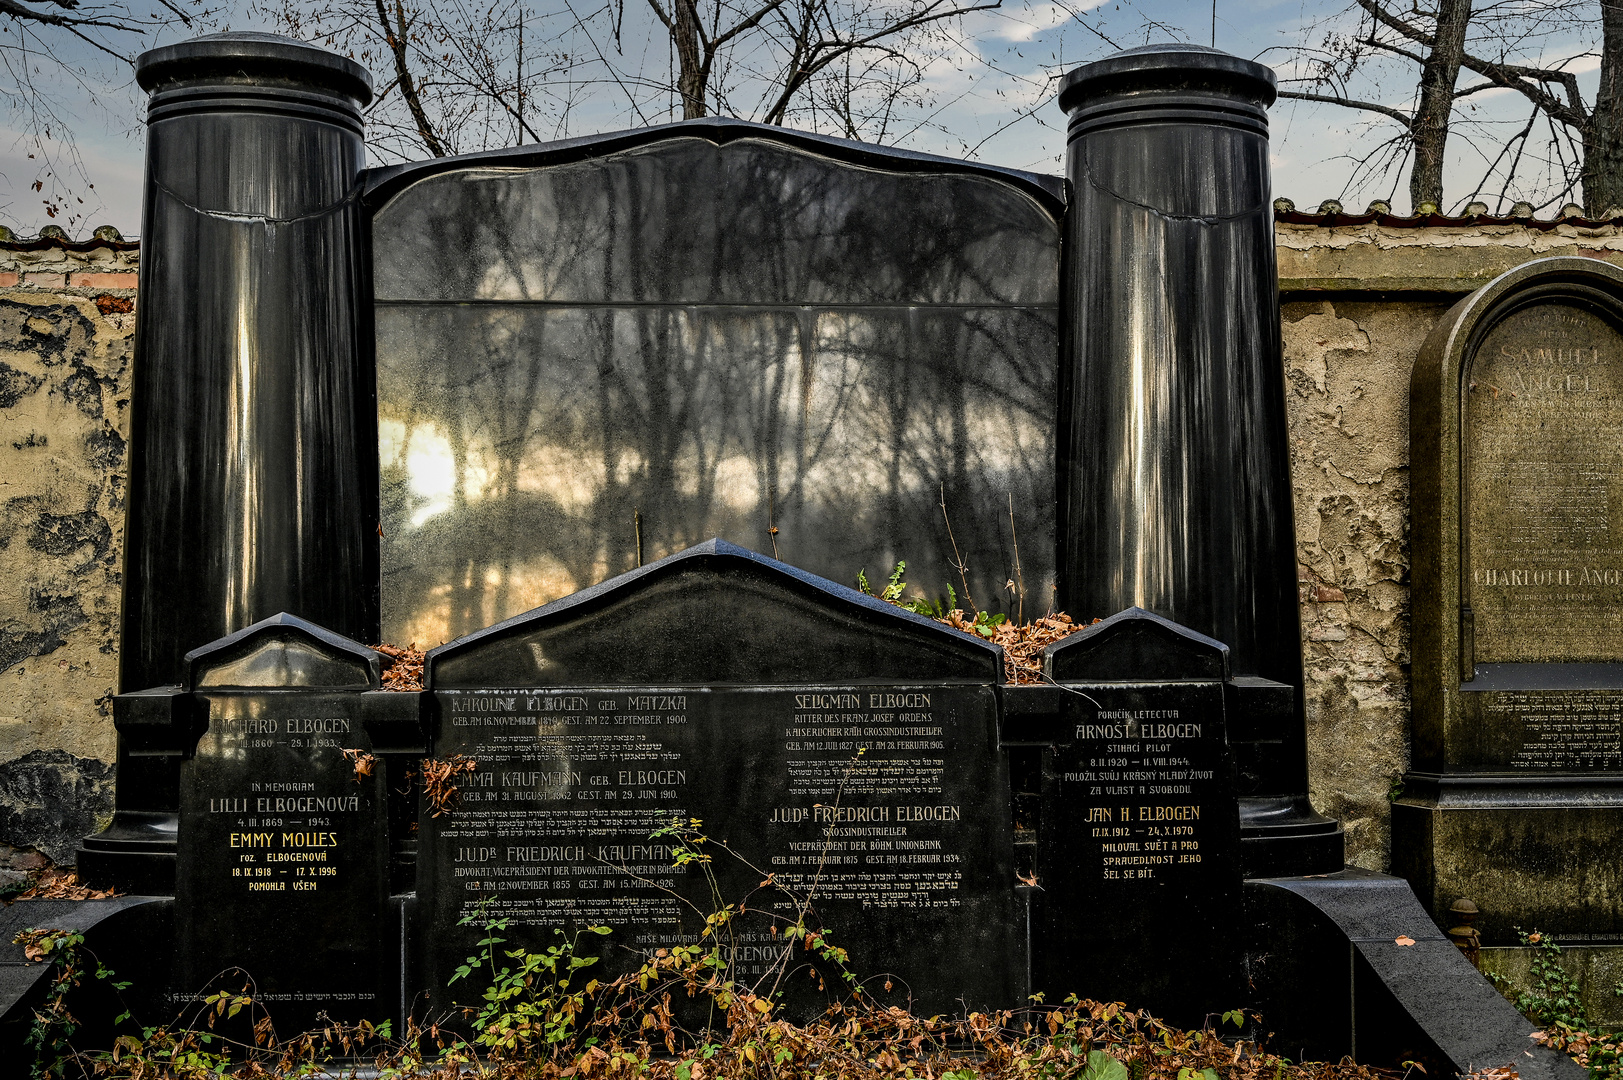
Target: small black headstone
(838,745)
(1138,871)
(282,849)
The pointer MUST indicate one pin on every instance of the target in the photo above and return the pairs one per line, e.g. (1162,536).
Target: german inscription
(1543,439)
(884,808)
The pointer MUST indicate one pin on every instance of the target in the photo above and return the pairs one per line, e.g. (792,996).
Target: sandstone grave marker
(1516,784)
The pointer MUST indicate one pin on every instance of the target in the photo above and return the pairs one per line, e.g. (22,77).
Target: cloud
(1027,22)
(112,163)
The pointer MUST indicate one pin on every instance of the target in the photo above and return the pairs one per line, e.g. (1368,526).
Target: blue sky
(993,101)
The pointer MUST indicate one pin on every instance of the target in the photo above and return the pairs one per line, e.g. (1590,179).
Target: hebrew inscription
(882,810)
(1565,731)
(1543,439)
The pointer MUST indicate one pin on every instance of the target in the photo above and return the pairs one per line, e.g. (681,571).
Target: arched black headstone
(840,746)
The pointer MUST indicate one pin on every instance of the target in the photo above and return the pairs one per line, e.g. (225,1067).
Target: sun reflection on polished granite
(584,362)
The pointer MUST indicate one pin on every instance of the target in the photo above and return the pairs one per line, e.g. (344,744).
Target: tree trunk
(1603,135)
(1429,129)
(691,76)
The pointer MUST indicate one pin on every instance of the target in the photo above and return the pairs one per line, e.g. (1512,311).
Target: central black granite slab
(838,754)
(596,353)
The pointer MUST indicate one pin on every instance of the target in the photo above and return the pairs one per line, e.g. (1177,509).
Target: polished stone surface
(132,936)
(282,869)
(861,775)
(252,478)
(157,730)
(1335,980)
(1174,467)
(1138,835)
(1515,795)
(588,363)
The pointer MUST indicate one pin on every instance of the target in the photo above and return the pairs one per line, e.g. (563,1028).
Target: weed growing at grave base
(51,1032)
(532,1003)
(537,1022)
(1021,641)
(1555,1002)
(627,1030)
(1080,1040)
(1555,997)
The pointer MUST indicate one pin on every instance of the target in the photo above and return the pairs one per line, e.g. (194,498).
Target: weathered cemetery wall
(66,325)
(1360,294)
(1359,298)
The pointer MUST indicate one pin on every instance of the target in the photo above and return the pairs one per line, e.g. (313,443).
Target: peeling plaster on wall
(64,395)
(50,798)
(1349,351)
(1347,366)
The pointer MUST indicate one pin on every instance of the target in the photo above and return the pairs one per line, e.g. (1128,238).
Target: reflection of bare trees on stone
(708,338)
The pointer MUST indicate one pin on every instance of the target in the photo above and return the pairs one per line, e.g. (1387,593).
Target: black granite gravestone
(1137,894)
(253,483)
(1174,460)
(282,847)
(595,352)
(598,350)
(836,745)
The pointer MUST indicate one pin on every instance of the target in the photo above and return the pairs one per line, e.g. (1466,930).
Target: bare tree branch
(395,35)
(1368,106)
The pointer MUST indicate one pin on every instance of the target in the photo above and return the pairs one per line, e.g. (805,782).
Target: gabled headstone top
(1516,481)
(1136,646)
(715,614)
(284,651)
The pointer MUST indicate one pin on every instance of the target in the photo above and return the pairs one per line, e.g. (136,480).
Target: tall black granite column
(1175,483)
(253,449)
(253,423)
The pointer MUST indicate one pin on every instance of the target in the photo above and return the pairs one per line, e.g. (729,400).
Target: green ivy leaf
(1101,1066)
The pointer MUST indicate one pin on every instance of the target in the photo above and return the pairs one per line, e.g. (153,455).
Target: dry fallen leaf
(1404,939)
(59,883)
(405,670)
